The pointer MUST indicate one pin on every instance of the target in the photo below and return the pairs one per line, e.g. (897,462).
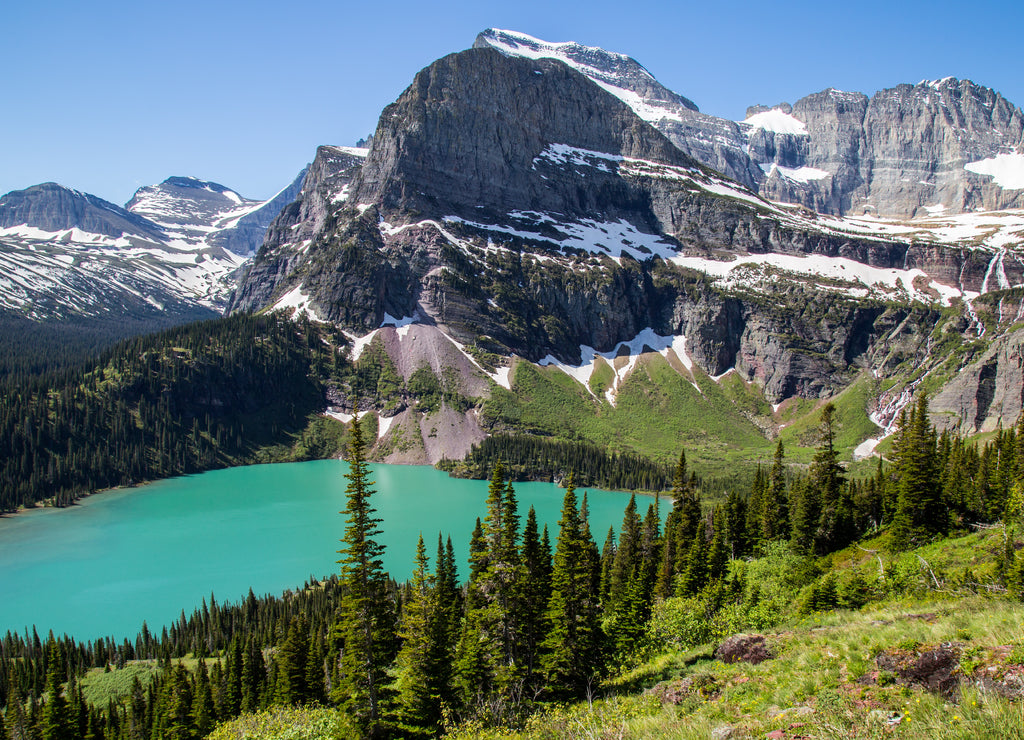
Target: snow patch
(583,372)
(1006,170)
(384,424)
(865,448)
(342,416)
(296,301)
(776,121)
(835,268)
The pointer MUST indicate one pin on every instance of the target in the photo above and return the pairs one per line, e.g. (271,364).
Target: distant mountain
(201,213)
(166,258)
(935,148)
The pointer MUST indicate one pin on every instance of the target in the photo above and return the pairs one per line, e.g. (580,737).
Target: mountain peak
(617,73)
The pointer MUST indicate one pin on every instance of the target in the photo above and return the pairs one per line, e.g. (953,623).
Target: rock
(936,670)
(743,648)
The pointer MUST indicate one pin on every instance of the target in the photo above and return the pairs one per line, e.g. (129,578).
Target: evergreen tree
(203,715)
(571,658)
(367,613)
(627,556)
(292,658)
(920,509)
(536,592)
(418,696)
(56,722)
(825,484)
(775,505)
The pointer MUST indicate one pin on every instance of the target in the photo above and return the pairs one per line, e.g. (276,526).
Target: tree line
(535,619)
(185,400)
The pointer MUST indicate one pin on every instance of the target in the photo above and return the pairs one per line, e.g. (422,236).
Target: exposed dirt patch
(743,648)
(701,686)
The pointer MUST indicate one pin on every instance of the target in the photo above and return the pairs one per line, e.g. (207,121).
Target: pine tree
(571,658)
(825,484)
(55,723)
(920,509)
(627,556)
(292,658)
(418,696)
(775,504)
(203,715)
(536,592)
(367,613)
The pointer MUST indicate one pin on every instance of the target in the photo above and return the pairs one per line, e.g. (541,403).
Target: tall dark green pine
(203,714)
(920,508)
(292,658)
(755,510)
(627,556)
(693,574)
(418,696)
(679,527)
(367,612)
(536,593)
(55,723)
(825,481)
(445,615)
(736,524)
(571,651)
(607,559)
(775,505)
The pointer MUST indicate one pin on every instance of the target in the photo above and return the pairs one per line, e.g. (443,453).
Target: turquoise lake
(103,566)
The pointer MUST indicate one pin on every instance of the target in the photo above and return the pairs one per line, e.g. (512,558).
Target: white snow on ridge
(800,174)
(776,121)
(583,372)
(837,268)
(611,239)
(513,43)
(296,301)
(1006,170)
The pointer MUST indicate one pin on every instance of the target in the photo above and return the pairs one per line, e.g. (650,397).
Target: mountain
(938,147)
(498,246)
(201,213)
(166,258)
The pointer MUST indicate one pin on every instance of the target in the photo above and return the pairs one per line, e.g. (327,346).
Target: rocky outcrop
(909,151)
(52,207)
(986,394)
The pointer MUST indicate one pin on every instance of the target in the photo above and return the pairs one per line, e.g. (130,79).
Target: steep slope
(168,258)
(558,229)
(947,146)
(201,213)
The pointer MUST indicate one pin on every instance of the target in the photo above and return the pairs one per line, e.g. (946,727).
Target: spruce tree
(825,483)
(56,722)
(775,505)
(571,657)
(536,593)
(418,696)
(367,613)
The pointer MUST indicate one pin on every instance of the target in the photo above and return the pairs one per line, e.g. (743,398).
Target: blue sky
(108,96)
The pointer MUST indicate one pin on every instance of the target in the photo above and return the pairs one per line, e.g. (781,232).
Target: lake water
(105,565)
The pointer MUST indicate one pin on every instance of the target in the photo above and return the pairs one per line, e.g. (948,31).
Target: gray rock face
(247,234)
(897,154)
(986,394)
(323,191)
(53,207)
(455,218)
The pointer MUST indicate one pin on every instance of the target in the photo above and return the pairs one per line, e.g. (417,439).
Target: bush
(281,723)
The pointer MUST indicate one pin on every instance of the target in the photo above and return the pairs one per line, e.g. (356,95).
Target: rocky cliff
(945,146)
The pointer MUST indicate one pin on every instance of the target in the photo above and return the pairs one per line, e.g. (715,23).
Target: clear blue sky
(107,96)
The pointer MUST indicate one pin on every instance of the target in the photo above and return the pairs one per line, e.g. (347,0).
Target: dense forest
(29,347)
(528,457)
(188,399)
(537,618)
